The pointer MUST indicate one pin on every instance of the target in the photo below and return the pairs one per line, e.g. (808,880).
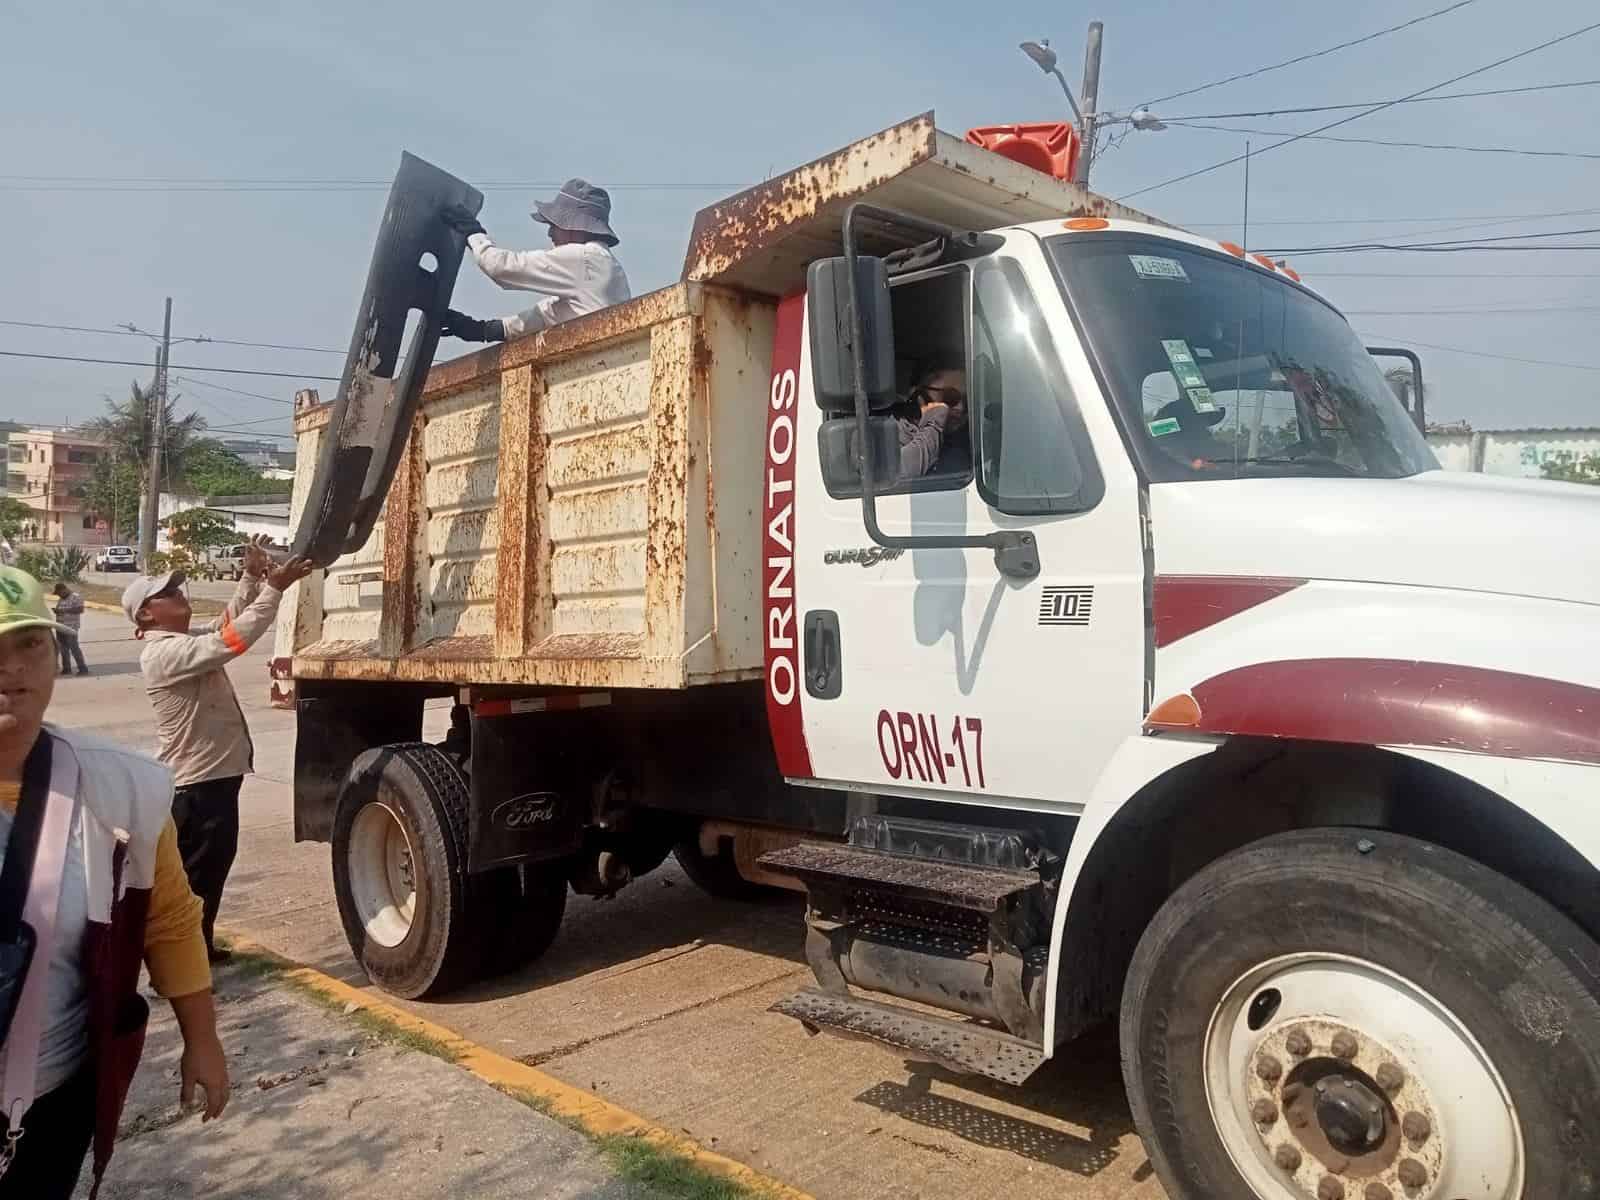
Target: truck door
(925,671)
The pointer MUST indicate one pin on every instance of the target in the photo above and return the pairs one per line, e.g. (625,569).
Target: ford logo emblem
(524,812)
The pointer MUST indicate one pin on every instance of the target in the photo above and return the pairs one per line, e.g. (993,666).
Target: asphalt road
(657,1000)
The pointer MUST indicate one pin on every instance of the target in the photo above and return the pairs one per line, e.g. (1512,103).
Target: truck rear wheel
(716,874)
(528,904)
(1334,1013)
(399,871)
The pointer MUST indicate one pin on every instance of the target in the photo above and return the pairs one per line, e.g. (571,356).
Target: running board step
(980,889)
(959,1045)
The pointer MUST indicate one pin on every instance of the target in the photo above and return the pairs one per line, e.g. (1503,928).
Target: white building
(1517,452)
(250,515)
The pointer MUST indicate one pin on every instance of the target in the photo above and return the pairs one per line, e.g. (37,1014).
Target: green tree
(212,470)
(1573,470)
(113,492)
(13,513)
(196,529)
(125,428)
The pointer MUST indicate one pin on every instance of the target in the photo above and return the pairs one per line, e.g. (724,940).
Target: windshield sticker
(1203,352)
(1183,364)
(1164,426)
(1149,266)
(1200,397)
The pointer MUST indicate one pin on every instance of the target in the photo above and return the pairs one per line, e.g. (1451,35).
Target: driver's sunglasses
(944,395)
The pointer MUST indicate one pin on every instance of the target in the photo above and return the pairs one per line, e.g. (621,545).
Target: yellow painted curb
(110,608)
(598,1117)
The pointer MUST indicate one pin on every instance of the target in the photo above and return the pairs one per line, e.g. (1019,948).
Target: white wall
(1516,452)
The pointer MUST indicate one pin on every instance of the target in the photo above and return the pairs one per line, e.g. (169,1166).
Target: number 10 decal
(912,749)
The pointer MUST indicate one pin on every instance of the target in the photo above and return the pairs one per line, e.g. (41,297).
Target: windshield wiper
(1318,460)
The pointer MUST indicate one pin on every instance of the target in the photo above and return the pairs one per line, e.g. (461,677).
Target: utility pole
(1091,99)
(158,433)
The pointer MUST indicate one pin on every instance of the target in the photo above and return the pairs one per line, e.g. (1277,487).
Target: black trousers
(68,644)
(55,1138)
(207,816)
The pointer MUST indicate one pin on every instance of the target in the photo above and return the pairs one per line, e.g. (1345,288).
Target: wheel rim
(382,874)
(1328,1076)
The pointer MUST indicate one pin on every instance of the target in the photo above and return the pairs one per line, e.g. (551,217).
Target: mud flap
(379,391)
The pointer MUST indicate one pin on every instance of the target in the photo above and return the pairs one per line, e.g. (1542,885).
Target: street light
(1045,59)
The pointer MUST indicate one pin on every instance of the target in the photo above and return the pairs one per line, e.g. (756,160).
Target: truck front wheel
(1352,1013)
(399,870)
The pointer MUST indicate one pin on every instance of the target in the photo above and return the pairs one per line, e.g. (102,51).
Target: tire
(1339,922)
(717,874)
(528,904)
(413,792)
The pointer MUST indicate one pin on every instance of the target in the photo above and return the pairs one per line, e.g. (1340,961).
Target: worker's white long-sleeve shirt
(577,278)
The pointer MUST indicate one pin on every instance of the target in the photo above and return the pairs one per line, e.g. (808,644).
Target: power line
(155,183)
(1537,362)
(1227,162)
(1316,108)
(1406,145)
(1479,243)
(1206,87)
(135,332)
(1315,274)
(236,391)
(1468,312)
(1486,217)
(130,362)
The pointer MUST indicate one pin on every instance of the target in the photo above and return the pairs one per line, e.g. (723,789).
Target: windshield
(1223,371)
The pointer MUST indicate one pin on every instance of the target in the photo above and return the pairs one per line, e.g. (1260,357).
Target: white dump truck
(1168,681)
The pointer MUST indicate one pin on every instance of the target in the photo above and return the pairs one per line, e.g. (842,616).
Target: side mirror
(1412,400)
(828,312)
(836,452)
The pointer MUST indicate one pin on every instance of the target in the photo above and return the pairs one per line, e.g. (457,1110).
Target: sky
(672,107)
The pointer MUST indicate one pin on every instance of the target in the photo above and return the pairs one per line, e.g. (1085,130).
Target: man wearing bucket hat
(578,274)
(201,728)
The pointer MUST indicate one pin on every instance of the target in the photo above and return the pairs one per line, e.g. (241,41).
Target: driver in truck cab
(934,442)
(578,274)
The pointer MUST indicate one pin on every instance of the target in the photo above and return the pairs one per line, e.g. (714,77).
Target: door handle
(823,670)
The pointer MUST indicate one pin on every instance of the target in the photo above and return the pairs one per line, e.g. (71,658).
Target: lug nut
(1298,1043)
(1330,1188)
(1412,1173)
(1269,1068)
(1377,1191)
(1288,1158)
(1416,1127)
(1264,1112)
(1390,1077)
(1345,1045)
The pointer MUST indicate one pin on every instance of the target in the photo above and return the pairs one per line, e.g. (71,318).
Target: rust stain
(734,229)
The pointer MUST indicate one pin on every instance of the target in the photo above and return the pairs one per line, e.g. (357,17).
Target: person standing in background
(69,615)
(201,728)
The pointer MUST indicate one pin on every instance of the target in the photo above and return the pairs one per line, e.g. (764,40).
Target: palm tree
(126,428)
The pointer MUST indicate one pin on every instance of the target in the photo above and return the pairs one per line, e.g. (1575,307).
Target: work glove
(459,218)
(470,329)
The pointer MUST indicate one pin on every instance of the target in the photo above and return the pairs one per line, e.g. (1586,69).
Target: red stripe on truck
(779,616)
(1380,701)
(1186,604)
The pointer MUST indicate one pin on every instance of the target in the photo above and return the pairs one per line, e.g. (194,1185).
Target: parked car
(228,561)
(116,558)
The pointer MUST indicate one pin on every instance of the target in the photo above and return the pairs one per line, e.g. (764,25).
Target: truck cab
(1064,602)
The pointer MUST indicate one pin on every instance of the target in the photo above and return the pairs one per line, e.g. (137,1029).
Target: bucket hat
(579,206)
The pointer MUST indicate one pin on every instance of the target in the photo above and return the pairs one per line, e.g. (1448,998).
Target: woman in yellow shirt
(123,896)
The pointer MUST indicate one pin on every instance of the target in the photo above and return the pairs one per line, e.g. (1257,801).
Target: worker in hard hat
(578,274)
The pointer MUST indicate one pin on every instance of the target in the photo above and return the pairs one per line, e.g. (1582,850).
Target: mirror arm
(1417,413)
(1015,554)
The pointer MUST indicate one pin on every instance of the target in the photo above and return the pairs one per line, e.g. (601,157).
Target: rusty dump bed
(581,508)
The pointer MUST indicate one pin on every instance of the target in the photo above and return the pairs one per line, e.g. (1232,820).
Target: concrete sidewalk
(324,1109)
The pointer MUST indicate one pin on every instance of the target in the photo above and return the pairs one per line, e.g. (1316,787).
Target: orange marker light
(1265,261)
(1232,248)
(1175,712)
(1086,223)
(1290,272)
